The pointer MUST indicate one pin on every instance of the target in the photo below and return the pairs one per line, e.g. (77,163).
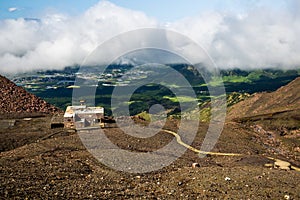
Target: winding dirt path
(178,139)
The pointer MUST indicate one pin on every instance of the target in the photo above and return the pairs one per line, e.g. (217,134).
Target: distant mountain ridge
(15,99)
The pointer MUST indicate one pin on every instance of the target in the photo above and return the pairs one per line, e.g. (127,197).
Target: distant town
(54,79)
(126,74)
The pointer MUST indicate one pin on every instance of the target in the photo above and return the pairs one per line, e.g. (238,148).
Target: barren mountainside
(15,99)
(286,98)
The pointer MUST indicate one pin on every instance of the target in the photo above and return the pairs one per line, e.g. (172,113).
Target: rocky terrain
(15,100)
(273,115)
(286,98)
(37,162)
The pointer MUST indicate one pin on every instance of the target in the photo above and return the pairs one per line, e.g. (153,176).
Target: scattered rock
(269,165)
(27,119)
(227,178)
(282,164)
(285,168)
(194,165)
(297,149)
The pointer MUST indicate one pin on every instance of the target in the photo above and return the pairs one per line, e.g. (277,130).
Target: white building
(82,116)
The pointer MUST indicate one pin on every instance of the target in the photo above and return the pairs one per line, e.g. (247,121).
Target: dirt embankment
(285,99)
(16,100)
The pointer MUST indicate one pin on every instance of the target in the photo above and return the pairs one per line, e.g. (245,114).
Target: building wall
(69,122)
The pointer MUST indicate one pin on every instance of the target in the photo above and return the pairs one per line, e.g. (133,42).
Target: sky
(163,10)
(51,34)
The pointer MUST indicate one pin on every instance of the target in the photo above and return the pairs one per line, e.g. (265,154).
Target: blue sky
(163,10)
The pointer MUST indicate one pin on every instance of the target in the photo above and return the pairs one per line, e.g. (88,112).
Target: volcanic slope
(274,118)
(16,104)
(277,112)
(15,100)
(285,99)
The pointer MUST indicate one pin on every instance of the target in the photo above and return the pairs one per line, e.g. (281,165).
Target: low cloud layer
(258,38)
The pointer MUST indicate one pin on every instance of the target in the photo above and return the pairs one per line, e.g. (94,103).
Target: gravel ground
(60,167)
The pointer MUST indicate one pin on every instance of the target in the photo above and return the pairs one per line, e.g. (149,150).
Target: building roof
(72,110)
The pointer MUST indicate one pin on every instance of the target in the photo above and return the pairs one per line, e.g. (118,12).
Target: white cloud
(12,9)
(57,40)
(258,38)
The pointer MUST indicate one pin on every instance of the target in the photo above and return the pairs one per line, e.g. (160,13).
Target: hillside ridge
(286,98)
(16,100)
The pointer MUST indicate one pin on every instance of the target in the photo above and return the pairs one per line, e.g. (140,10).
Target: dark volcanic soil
(15,99)
(59,167)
